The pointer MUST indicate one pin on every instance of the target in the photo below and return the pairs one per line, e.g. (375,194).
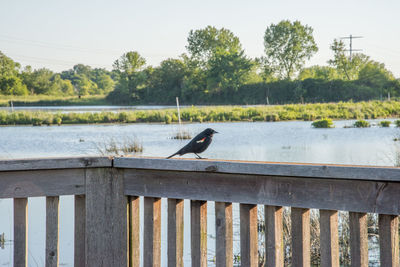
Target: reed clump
(308,112)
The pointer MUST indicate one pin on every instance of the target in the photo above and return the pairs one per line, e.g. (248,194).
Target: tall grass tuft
(124,147)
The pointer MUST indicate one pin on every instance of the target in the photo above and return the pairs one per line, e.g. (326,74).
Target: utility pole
(351,37)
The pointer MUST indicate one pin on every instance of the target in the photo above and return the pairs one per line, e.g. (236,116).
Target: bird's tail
(173,155)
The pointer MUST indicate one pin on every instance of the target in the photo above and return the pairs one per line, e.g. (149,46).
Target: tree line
(216,70)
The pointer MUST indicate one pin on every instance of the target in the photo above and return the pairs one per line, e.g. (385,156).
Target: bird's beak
(216,132)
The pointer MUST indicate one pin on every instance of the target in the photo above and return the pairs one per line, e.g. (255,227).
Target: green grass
(384,123)
(324,123)
(46,100)
(362,124)
(307,112)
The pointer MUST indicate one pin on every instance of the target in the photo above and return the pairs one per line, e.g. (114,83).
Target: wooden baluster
(198,214)
(79,236)
(274,236)
(248,235)
(20,232)
(152,232)
(224,233)
(329,238)
(300,237)
(52,231)
(389,240)
(358,239)
(134,231)
(175,232)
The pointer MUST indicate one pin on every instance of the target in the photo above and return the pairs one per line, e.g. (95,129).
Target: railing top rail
(331,171)
(55,163)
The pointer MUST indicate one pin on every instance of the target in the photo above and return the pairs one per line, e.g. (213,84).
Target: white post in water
(179,116)
(12,106)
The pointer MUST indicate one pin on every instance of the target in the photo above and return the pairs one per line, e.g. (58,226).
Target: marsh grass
(307,112)
(48,100)
(324,123)
(182,135)
(124,147)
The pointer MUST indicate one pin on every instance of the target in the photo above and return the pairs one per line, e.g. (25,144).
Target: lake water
(293,141)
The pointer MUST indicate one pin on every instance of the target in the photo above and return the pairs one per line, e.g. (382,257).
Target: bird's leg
(198,156)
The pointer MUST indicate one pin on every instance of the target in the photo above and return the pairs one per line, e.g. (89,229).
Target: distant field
(307,112)
(44,100)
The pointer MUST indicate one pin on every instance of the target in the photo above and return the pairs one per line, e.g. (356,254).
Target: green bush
(397,122)
(324,123)
(361,124)
(385,123)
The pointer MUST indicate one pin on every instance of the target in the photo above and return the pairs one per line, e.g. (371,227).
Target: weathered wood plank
(333,194)
(248,235)
(54,163)
(300,237)
(175,232)
(389,240)
(198,215)
(106,213)
(20,232)
(264,168)
(152,232)
(79,235)
(134,231)
(329,238)
(274,236)
(20,184)
(224,234)
(52,231)
(358,239)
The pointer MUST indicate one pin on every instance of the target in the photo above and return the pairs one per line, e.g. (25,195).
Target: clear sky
(59,34)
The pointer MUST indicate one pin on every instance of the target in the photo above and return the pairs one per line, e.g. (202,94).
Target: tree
(347,68)
(287,46)
(204,43)
(375,75)
(131,78)
(216,62)
(319,72)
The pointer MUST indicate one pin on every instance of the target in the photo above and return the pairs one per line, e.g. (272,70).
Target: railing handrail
(55,163)
(309,170)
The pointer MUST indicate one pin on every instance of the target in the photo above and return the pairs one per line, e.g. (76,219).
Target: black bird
(198,144)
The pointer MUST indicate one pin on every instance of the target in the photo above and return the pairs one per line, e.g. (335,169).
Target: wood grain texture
(300,237)
(224,234)
(175,232)
(389,240)
(54,163)
(264,168)
(19,184)
(134,231)
(79,235)
(52,231)
(330,194)
(248,235)
(198,216)
(329,238)
(20,232)
(106,224)
(358,239)
(274,236)
(152,232)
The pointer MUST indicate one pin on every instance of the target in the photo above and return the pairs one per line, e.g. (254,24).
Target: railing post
(358,239)
(79,238)
(152,232)
(175,232)
(134,231)
(224,234)
(274,236)
(300,237)
(329,238)
(106,218)
(20,232)
(389,240)
(198,215)
(52,231)
(248,235)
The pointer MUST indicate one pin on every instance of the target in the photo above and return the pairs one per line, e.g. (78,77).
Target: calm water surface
(274,141)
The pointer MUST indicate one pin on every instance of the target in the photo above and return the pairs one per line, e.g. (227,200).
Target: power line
(351,37)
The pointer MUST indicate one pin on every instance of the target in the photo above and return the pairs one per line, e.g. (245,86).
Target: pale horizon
(57,35)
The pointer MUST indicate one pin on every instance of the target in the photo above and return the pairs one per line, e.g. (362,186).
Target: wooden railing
(107,207)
